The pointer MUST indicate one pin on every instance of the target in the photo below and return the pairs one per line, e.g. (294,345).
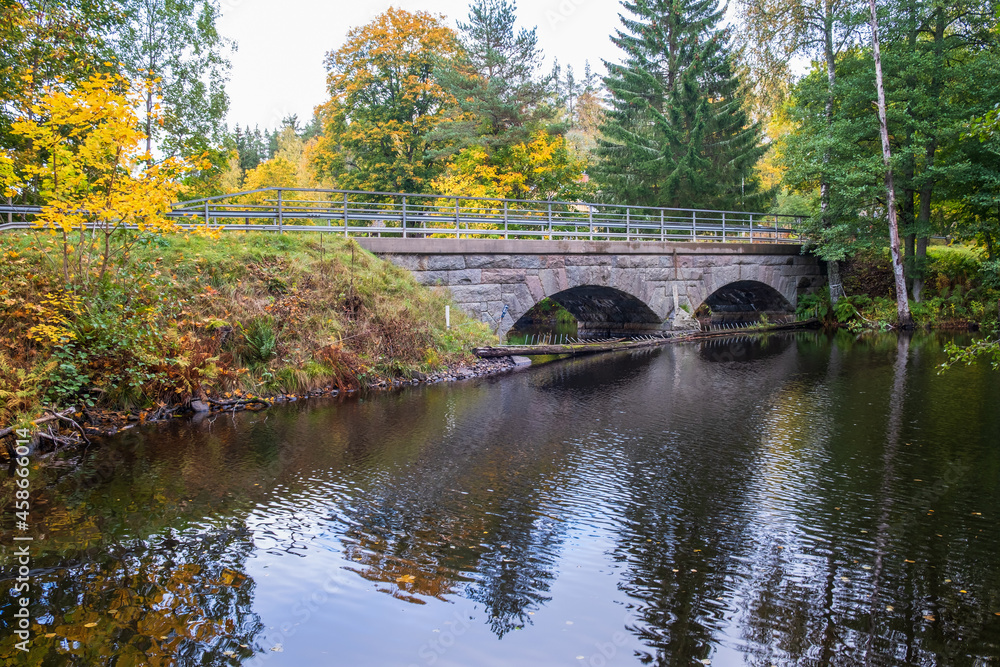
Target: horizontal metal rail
(355,213)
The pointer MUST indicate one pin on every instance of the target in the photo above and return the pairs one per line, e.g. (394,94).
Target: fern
(20,388)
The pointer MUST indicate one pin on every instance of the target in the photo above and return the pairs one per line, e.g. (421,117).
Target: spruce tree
(677,133)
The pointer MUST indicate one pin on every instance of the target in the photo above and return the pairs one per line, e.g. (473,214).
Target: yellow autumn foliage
(543,168)
(88,164)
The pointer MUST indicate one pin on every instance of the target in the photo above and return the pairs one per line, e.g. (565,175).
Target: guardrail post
(458,228)
(550,220)
(663,227)
(751,228)
(590,221)
(694,226)
(628,224)
(505,232)
(723,226)
(206,215)
(345,215)
(281,214)
(404,216)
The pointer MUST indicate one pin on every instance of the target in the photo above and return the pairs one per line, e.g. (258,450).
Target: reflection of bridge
(617,269)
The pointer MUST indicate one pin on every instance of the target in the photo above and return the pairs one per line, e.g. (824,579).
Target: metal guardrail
(388,214)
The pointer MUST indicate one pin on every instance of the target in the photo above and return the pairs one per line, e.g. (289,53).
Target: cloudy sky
(278,68)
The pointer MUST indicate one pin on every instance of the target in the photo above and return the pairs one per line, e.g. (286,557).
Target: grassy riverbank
(961,291)
(249,313)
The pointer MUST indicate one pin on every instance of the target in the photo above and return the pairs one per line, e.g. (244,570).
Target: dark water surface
(802,501)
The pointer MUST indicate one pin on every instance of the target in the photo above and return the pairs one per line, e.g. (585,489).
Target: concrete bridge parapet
(484,275)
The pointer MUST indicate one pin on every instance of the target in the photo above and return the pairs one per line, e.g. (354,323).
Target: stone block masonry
(608,286)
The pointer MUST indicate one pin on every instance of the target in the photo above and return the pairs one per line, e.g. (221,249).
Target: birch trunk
(902,304)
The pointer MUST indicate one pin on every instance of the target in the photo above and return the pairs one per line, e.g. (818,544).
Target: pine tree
(677,133)
(495,80)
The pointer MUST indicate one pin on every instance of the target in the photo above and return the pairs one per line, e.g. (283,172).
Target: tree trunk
(833,266)
(923,223)
(921,260)
(902,304)
(834,280)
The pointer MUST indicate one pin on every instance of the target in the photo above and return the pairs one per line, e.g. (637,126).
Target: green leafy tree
(385,102)
(175,47)
(939,64)
(776,31)
(677,133)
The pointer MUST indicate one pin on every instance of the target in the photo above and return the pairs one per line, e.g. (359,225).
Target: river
(797,500)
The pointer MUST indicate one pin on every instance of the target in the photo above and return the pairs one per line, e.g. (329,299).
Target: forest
(877,125)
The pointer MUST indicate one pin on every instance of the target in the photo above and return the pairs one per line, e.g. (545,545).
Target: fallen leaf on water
(676,570)
(706,661)
(90,625)
(406,579)
(909,561)
(50,635)
(918,480)
(844,579)
(889,607)
(947,581)
(866,567)
(963,591)
(928,617)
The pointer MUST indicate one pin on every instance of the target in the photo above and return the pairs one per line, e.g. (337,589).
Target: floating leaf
(928,617)
(406,579)
(889,607)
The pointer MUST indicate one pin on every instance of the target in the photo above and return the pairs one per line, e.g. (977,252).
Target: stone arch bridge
(612,288)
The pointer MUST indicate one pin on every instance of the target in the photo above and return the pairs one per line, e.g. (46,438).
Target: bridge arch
(489,276)
(604,311)
(744,301)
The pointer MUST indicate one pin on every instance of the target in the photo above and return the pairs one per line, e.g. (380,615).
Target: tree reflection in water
(177,600)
